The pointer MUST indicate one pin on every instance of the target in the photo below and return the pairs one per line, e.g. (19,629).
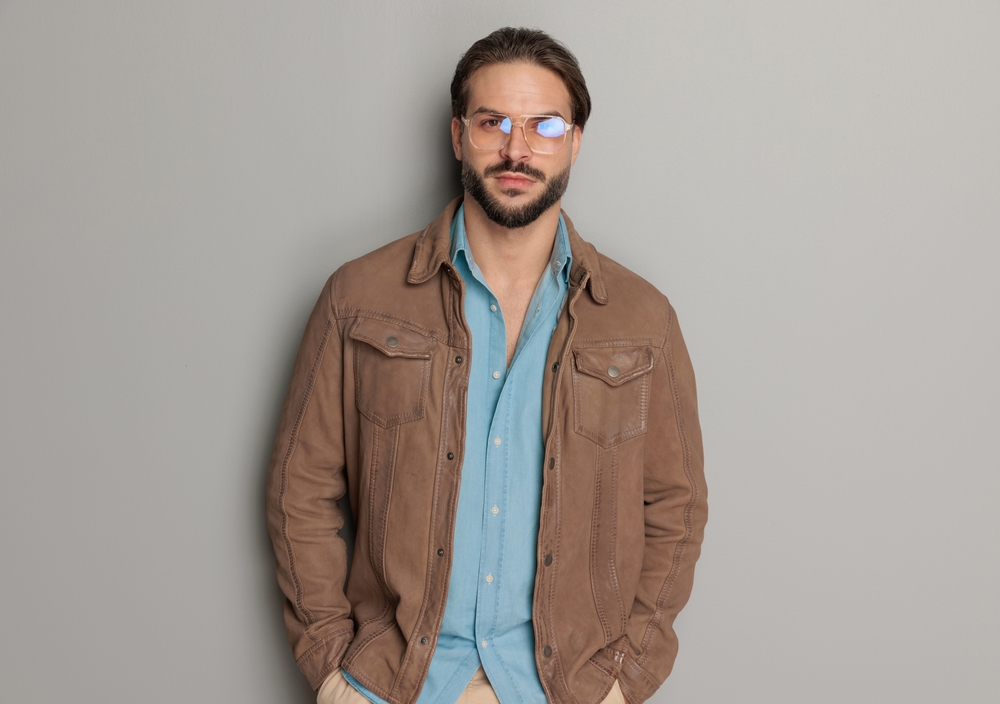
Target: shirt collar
(560,262)
(431,247)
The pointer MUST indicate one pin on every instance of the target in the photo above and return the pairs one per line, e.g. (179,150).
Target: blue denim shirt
(487,618)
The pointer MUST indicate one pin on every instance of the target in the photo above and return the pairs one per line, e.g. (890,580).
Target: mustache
(514,167)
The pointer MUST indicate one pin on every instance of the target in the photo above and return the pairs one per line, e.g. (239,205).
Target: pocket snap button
(614,371)
(393,342)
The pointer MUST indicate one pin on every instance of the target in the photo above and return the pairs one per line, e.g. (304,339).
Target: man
(513,417)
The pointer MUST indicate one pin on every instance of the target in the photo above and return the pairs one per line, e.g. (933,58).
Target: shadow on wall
(440,184)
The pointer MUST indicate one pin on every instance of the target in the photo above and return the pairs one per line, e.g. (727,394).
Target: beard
(513,217)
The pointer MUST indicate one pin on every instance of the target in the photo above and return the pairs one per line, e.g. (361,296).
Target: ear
(456,137)
(577,137)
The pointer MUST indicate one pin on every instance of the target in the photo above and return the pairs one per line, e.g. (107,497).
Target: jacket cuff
(636,684)
(323,658)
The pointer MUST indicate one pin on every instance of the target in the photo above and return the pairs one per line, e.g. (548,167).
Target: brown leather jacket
(376,408)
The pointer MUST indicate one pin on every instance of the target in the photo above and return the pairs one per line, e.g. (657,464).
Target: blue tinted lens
(553,127)
(505,125)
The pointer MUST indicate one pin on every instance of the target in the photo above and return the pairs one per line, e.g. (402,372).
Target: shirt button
(485,644)
(496,375)
(494,309)
(489,579)
(547,651)
(494,510)
(496,441)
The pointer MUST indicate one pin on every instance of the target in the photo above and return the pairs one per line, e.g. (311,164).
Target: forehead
(519,89)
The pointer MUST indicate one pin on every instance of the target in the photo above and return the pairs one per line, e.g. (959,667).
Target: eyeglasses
(544,134)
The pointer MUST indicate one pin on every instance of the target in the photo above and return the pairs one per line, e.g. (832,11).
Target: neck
(508,257)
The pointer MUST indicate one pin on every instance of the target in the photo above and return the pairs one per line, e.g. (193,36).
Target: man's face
(514,185)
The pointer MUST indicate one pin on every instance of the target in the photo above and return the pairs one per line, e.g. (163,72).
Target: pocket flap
(614,365)
(391,339)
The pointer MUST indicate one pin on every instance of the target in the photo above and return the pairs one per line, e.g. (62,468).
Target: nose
(516,148)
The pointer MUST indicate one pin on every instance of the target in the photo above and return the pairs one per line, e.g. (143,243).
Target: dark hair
(511,45)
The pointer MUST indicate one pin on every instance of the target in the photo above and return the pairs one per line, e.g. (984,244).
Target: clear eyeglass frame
(549,149)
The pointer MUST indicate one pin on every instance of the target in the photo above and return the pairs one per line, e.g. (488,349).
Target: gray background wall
(814,184)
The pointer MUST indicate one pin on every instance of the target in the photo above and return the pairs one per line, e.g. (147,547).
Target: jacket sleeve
(675,513)
(305,480)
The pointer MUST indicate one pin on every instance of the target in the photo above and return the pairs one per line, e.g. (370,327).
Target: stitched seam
(688,509)
(646,677)
(397,326)
(613,342)
(320,644)
(417,250)
(399,418)
(384,524)
(600,667)
(557,509)
(371,533)
(614,539)
(602,373)
(292,441)
(425,602)
(611,686)
(610,440)
(552,588)
(628,692)
(397,352)
(368,639)
(371,686)
(372,483)
(376,550)
(359,312)
(595,521)
(600,275)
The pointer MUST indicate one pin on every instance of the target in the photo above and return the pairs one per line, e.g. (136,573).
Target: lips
(514,181)
(515,169)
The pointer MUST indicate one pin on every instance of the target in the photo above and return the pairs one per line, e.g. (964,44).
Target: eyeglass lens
(544,134)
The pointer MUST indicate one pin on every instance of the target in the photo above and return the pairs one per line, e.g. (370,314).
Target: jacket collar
(433,247)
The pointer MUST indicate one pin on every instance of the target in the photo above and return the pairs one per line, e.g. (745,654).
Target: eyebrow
(492,111)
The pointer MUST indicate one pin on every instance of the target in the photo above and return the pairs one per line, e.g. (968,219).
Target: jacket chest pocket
(611,392)
(392,367)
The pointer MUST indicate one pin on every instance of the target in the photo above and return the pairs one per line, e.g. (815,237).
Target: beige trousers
(337,690)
